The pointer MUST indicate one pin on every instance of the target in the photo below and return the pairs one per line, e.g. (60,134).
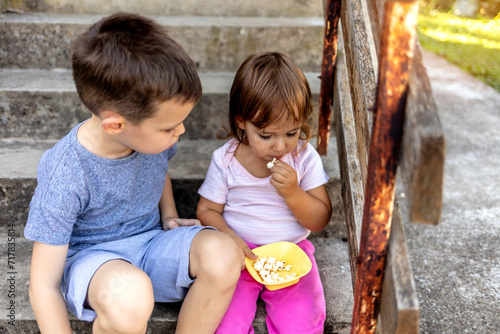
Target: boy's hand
(284,179)
(173,222)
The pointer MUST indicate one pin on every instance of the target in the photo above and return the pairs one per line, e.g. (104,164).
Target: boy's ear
(112,123)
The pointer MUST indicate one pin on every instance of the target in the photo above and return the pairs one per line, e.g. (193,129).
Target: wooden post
(396,53)
(327,73)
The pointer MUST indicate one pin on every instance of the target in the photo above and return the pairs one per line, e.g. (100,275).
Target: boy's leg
(299,308)
(122,296)
(214,262)
(241,312)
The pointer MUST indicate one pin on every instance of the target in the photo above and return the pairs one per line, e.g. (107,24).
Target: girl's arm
(311,208)
(168,212)
(47,265)
(210,214)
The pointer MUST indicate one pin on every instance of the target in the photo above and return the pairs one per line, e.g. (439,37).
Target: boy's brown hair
(269,87)
(127,63)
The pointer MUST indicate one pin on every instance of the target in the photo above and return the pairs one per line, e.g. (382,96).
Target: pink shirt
(253,209)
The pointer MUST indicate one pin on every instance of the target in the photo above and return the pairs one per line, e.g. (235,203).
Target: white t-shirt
(253,209)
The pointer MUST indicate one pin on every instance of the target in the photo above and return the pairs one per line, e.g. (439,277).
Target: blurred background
(464,32)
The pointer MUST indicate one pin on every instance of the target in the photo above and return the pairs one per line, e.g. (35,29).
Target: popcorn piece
(271,164)
(269,268)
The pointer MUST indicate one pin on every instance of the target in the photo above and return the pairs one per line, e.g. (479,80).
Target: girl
(269,108)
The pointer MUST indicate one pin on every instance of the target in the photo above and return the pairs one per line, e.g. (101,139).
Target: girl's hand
(245,250)
(284,179)
(174,222)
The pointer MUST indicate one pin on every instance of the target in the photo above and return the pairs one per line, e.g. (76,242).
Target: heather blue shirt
(83,199)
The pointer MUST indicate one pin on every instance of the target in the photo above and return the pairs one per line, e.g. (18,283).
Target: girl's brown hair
(267,88)
(128,63)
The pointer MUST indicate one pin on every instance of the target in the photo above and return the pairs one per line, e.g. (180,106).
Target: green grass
(472,44)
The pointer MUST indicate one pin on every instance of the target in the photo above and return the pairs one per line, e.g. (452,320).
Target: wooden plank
(376,13)
(328,73)
(423,150)
(361,75)
(399,303)
(350,174)
(396,52)
(399,311)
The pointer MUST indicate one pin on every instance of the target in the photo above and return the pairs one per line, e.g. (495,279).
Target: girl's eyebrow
(291,130)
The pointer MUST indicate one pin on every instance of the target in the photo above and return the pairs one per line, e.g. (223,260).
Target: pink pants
(299,308)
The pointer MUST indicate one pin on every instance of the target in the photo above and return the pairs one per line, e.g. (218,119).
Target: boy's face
(160,132)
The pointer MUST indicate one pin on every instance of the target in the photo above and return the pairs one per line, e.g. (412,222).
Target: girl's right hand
(246,251)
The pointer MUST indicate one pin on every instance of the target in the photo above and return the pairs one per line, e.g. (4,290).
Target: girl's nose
(279,144)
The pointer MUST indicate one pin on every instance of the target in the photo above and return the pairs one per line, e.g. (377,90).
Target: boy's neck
(91,136)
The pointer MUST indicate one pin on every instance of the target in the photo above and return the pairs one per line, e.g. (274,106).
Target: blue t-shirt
(83,199)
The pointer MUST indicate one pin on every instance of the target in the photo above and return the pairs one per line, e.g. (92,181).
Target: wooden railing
(384,116)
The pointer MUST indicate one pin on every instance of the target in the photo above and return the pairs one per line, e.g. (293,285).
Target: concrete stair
(39,105)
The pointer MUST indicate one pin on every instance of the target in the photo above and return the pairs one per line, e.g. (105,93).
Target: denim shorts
(162,255)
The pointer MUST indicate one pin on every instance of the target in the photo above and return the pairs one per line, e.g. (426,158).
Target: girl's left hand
(284,179)
(174,222)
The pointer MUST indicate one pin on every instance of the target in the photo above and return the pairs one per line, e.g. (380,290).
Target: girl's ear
(112,123)
(240,123)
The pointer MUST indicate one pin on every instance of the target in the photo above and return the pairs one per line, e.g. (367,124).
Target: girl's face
(273,141)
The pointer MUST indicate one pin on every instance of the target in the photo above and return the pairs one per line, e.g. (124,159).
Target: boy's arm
(168,212)
(47,265)
(210,214)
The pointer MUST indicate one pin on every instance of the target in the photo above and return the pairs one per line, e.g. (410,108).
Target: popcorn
(271,164)
(269,268)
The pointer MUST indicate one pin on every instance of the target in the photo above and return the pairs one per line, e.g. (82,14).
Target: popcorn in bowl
(274,259)
(269,269)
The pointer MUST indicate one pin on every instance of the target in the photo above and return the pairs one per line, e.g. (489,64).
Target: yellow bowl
(288,251)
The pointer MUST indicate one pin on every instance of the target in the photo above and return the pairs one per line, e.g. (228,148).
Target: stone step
(173,7)
(331,256)
(19,160)
(18,163)
(43,104)
(41,40)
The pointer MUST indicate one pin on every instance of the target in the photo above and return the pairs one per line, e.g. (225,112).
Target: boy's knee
(124,301)
(218,256)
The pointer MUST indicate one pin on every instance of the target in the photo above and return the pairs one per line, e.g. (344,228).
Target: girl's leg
(299,308)
(122,296)
(241,312)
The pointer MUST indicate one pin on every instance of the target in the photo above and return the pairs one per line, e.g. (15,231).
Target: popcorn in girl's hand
(268,269)
(271,164)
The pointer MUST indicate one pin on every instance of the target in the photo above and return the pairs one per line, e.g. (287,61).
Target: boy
(104,195)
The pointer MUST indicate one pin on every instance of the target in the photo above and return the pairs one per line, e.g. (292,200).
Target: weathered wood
(350,173)
(396,52)
(361,74)
(399,311)
(328,73)
(422,158)
(423,150)
(376,13)
(399,308)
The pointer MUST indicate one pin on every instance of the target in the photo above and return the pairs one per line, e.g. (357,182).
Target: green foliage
(472,44)
(485,8)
